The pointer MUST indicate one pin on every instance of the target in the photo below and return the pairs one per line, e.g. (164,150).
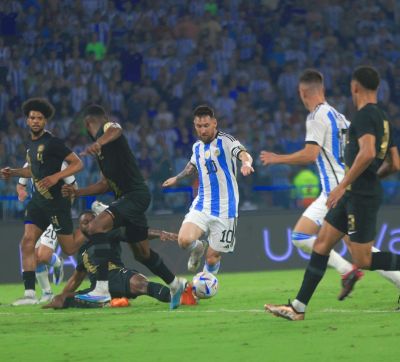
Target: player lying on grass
(123,282)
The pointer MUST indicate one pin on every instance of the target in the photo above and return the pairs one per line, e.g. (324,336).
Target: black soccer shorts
(356,216)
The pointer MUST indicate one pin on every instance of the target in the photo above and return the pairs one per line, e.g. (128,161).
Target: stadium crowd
(151,63)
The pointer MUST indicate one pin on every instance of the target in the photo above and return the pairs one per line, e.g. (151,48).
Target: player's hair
(84,212)
(367,76)
(310,76)
(203,111)
(94,110)
(41,105)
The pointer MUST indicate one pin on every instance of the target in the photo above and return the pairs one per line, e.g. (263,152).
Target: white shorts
(48,238)
(317,210)
(221,232)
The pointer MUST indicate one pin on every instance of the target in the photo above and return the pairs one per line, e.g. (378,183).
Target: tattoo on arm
(188,171)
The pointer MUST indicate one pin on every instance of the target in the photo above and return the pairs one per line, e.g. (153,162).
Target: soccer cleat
(176,294)
(119,302)
(195,257)
(25,300)
(99,294)
(98,207)
(348,281)
(46,297)
(286,311)
(58,272)
(188,298)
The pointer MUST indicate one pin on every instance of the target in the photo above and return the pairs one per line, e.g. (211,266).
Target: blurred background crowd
(151,62)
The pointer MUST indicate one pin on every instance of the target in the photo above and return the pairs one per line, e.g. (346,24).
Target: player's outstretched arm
(247,162)
(303,157)
(6,173)
(98,188)
(72,284)
(162,235)
(74,166)
(391,164)
(189,170)
(113,131)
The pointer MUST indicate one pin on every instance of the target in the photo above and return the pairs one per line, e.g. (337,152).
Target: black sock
(159,291)
(313,275)
(156,266)
(101,257)
(384,260)
(29,279)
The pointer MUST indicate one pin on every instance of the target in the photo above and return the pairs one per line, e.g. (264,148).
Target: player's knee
(43,256)
(303,241)
(184,241)
(138,284)
(28,243)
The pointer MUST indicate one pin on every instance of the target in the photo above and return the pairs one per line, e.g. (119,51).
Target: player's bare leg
(188,238)
(28,242)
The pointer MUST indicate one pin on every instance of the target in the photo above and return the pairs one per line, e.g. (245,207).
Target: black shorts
(356,216)
(129,211)
(119,283)
(58,214)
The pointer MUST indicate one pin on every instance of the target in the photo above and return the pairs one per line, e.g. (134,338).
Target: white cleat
(58,272)
(195,257)
(98,207)
(46,298)
(25,300)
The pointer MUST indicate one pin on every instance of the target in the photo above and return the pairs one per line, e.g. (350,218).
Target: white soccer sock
(299,306)
(392,276)
(55,261)
(42,276)
(30,293)
(174,285)
(213,269)
(340,264)
(305,242)
(194,244)
(101,286)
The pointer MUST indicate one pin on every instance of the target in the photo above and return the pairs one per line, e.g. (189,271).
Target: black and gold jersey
(45,156)
(119,166)
(370,119)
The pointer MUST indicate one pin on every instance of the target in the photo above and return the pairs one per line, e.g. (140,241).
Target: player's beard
(37,133)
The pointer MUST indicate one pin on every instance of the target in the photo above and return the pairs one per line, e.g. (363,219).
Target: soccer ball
(205,285)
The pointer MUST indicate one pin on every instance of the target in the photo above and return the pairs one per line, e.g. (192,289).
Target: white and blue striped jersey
(327,127)
(218,193)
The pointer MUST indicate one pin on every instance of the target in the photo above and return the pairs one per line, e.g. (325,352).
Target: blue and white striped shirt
(218,193)
(327,128)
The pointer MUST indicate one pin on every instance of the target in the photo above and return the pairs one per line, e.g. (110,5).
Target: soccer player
(121,175)
(123,282)
(369,155)
(215,209)
(45,156)
(45,248)
(325,139)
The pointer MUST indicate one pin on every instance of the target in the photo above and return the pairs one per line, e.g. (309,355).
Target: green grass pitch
(232,326)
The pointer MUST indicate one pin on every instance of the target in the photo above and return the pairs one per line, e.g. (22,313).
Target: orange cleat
(188,297)
(119,302)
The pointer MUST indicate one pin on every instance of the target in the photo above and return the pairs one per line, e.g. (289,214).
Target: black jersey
(45,156)
(369,120)
(119,166)
(85,260)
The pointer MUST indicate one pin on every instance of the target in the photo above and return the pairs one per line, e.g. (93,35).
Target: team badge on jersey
(207,154)
(217,152)
(40,151)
